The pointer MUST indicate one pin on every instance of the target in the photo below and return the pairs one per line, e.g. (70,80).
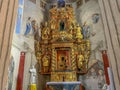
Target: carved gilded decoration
(62,51)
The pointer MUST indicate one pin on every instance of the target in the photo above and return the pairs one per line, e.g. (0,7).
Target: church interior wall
(25,43)
(84,13)
(103,34)
(16,65)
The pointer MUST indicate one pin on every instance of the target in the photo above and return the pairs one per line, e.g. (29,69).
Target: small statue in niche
(45,62)
(33,75)
(10,74)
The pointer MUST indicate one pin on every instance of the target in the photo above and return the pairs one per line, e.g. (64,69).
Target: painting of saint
(63,59)
(28,26)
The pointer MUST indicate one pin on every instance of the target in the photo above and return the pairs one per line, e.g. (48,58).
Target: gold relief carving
(81,61)
(45,31)
(46,62)
(63,76)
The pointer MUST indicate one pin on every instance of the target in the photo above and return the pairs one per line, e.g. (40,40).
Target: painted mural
(19,17)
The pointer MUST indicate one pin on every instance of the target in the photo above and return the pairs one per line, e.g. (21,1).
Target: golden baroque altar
(62,52)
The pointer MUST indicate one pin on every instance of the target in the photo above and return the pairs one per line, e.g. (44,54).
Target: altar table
(63,85)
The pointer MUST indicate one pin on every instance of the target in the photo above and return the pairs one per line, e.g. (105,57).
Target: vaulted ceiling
(54,1)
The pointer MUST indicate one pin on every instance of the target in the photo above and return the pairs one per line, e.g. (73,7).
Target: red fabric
(106,65)
(20,72)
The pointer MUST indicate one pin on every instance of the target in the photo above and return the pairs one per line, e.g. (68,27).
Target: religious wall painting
(79,3)
(95,18)
(33,1)
(86,31)
(86,1)
(19,20)
(95,77)
(28,26)
(21,2)
(10,74)
(32,29)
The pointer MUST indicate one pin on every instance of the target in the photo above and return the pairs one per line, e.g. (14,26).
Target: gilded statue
(45,62)
(38,56)
(81,61)
(53,13)
(78,33)
(45,31)
(37,46)
(53,24)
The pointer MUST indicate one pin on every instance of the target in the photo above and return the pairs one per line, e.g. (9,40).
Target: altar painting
(63,59)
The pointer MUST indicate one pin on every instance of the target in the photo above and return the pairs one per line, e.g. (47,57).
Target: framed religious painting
(63,59)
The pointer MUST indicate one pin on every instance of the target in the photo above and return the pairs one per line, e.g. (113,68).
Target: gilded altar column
(53,61)
(73,61)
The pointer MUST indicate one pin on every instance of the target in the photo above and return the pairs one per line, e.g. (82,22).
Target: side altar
(63,52)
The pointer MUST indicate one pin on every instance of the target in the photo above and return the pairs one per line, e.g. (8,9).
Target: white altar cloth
(63,83)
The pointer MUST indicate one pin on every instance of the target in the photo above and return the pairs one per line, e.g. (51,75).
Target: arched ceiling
(54,1)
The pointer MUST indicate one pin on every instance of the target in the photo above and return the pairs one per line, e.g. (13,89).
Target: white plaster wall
(36,13)
(26,43)
(85,15)
(15,52)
